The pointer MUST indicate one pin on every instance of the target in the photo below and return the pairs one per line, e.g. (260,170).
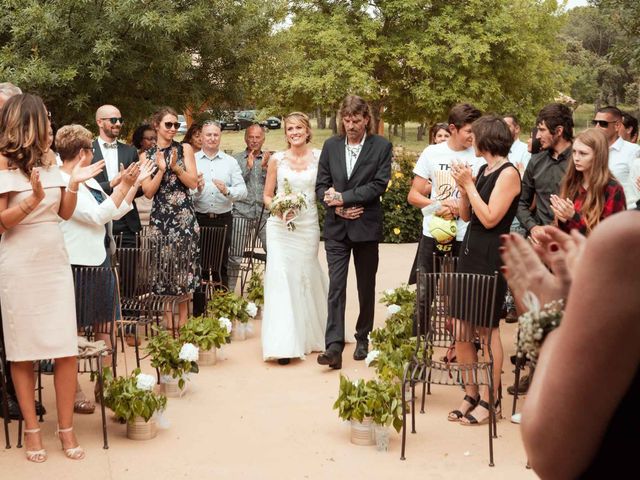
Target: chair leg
(5,403)
(492,420)
(516,382)
(19,444)
(41,419)
(413,407)
(404,425)
(100,381)
(136,347)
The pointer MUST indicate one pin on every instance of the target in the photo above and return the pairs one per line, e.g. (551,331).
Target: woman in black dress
(490,205)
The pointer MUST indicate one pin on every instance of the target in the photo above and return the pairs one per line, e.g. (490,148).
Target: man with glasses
(622,154)
(117,156)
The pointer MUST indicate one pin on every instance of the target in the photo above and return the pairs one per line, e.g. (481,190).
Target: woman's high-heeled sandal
(456,415)
(470,420)
(74,453)
(35,456)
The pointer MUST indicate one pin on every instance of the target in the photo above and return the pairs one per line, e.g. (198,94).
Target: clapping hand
(350,213)
(220,185)
(173,158)
(82,172)
(129,176)
(160,161)
(200,182)
(562,209)
(146,169)
(462,174)
(36,185)
(265,159)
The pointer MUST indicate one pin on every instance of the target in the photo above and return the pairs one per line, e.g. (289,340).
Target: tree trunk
(376,116)
(395,129)
(333,125)
(321,120)
(420,135)
(403,135)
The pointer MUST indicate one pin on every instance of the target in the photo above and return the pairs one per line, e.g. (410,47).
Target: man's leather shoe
(523,386)
(361,351)
(332,358)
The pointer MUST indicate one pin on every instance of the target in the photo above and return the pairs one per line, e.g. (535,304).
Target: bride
(295,288)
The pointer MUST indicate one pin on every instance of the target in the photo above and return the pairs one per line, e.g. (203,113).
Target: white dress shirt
(622,156)
(519,154)
(110,156)
(222,167)
(84,232)
(351,154)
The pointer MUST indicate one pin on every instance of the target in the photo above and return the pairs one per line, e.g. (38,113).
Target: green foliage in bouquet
(353,402)
(255,287)
(127,401)
(204,332)
(386,403)
(164,351)
(229,305)
(402,222)
(399,296)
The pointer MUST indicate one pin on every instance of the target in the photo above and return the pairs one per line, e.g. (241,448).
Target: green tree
(136,54)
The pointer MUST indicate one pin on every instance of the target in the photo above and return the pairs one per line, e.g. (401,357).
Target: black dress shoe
(284,361)
(332,358)
(361,351)
(523,386)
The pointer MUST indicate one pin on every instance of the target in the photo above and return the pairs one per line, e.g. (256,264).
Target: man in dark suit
(353,172)
(117,156)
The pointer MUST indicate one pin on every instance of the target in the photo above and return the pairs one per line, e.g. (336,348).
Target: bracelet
(71,191)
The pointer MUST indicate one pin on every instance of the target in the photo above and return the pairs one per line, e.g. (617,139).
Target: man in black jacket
(353,172)
(117,156)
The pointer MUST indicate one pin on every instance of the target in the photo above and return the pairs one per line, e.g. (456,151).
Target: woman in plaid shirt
(589,192)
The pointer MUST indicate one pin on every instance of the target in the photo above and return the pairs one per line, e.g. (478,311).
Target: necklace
(499,163)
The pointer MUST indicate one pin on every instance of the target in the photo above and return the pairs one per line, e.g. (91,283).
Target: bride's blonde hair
(297,117)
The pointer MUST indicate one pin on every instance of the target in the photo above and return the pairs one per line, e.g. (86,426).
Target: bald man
(8,90)
(115,154)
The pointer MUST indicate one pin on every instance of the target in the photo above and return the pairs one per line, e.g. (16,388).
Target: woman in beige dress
(36,285)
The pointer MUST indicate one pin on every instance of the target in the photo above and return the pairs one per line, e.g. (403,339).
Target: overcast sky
(576,3)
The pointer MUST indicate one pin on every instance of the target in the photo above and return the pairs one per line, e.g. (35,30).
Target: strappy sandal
(74,453)
(84,407)
(456,415)
(470,420)
(35,456)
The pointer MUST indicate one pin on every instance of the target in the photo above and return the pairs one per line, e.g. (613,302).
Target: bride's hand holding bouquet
(287,204)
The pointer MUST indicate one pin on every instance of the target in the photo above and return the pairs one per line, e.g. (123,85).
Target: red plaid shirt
(614,201)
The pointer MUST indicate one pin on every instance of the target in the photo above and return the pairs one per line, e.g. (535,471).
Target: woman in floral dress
(172,213)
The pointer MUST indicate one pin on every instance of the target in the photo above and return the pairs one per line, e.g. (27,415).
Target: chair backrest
(96,300)
(241,236)
(455,307)
(211,248)
(444,263)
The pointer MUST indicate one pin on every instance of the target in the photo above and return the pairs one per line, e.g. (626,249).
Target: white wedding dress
(295,287)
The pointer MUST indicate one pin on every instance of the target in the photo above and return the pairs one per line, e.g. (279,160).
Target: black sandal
(456,415)
(473,421)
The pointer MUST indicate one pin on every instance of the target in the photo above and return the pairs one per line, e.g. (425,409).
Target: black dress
(479,251)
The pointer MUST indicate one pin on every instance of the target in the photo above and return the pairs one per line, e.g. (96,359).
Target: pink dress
(36,284)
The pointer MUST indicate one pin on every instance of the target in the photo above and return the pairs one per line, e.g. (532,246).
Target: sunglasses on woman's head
(114,120)
(169,125)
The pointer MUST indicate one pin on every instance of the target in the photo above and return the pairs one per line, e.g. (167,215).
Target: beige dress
(36,284)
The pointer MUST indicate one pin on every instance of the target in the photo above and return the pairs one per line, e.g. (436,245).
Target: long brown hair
(354,105)
(599,177)
(24,132)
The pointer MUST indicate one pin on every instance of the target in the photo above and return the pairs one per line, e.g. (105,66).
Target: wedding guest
(144,138)
(194,136)
(628,128)
(589,193)
(88,234)
(253,162)
(439,133)
(558,441)
(38,294)
(8,90)
(489,204)
(519,152)
(172,212)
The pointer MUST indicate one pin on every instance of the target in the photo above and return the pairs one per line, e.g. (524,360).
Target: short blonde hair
(70,139)
(298,117)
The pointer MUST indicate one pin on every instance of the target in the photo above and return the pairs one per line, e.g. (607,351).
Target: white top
(110,156)
(519,154)
(622,156)
(435,164)
(351,154)
(84,232)
(221,167)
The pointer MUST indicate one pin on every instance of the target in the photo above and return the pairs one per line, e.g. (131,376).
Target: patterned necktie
(110,145)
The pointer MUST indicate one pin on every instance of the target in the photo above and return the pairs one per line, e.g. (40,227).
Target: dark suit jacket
(369,180)
(126,156)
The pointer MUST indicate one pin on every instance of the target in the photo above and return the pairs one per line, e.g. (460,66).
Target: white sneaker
(515,418)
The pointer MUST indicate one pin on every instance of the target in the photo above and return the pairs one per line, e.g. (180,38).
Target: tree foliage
(136,54)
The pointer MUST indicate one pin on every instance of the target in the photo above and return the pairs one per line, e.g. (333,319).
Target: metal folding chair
(211,252)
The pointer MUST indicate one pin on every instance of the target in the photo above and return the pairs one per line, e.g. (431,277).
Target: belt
(214,215)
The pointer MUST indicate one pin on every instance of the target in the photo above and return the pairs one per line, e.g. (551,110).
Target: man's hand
(350,213)
(200,182)
(250,158)
(265,159)
(445,212)
(333,198)
(452,205)
(221,186)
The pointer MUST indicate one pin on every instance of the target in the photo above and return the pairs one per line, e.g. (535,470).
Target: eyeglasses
(114,120)
(602,123)
(150,139)
(169,125)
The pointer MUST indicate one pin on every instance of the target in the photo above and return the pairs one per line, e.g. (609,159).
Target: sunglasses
(169,125)
(114,120)
(602,123)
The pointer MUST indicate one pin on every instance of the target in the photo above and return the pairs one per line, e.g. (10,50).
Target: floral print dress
(173,218)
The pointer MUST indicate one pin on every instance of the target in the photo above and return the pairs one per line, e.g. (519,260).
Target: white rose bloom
(188,352)
(145,382)
(389,291)
(393,309)
(226,323)
(371,356)
(251,309)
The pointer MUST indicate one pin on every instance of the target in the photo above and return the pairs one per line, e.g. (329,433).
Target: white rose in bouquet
(393,309)
(145,382)
(251,309)
(188,352)
(389,291)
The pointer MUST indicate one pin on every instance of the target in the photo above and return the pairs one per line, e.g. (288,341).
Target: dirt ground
(247,419)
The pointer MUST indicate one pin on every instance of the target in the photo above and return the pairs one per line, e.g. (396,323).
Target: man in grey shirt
(253,163)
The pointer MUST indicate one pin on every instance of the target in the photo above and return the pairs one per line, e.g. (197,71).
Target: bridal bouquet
(536,324)
(286,202)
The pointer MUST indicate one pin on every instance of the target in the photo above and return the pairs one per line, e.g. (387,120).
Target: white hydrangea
(251,309)
(226,323)
(371,357)
(389,291)
(393,309)
(189,352)
(145,382)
